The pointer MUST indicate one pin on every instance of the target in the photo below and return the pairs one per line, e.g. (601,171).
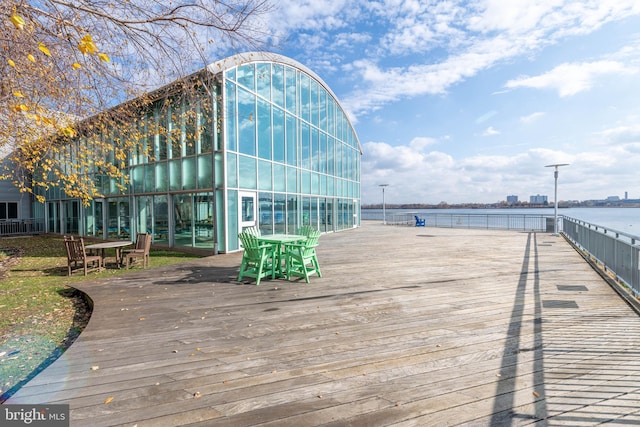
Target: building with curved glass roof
(265,142)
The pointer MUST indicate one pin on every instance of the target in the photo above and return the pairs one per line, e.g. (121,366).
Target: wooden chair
(305,230)
(258,259)
(301,259)
(252,230)
(141,250)
(77,256)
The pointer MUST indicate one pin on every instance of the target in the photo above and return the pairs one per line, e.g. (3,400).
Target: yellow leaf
(104,57)
(11,63)
(68,131)
(18,21)
(76,66)
(87,45)
(31,58)
(21,107)
(43,49)
(18,94)
(109,400)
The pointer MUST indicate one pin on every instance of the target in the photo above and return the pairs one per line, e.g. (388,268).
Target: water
(620,219)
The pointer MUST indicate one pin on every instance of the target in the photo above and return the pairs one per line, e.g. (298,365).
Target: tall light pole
(555,197)
(384,214)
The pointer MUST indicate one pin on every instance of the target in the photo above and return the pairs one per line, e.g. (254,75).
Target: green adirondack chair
(301,259)
(257,260)
(305,230)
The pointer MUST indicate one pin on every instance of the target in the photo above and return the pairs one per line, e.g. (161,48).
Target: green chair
(252,230)
(301,259)
(258,260)
(305,230)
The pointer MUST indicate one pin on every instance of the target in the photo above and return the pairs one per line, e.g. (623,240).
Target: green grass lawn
(41,313)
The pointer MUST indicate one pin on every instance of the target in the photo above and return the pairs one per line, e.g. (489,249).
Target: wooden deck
(409,326)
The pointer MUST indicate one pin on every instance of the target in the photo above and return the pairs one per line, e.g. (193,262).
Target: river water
(620,219)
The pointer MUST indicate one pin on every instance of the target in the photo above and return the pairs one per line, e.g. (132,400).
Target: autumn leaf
(18,94)
(18,22)
(87,45)
(11,63)
(68,131)
(21,107)
(104,57)
(108,400)
(31,58)
(75,66)
(43,49)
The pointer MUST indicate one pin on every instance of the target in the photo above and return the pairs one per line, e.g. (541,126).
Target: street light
(384,214)
(555,197)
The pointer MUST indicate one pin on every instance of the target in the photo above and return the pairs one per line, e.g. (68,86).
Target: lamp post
(555,197)
(384,214)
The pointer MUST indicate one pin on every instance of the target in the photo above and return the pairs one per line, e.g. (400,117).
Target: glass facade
(265,144)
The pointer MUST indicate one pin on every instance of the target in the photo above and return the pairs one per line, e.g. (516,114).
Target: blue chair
(420,222)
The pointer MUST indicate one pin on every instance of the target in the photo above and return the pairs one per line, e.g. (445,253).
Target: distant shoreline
(561,205)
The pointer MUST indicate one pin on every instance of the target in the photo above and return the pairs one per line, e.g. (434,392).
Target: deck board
(408,327)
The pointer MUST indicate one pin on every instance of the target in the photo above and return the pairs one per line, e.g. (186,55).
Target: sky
(468,101)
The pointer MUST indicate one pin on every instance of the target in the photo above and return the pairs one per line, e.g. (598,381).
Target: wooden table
(278,240)
(117,245)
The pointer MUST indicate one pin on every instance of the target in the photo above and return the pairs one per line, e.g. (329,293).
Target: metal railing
(618,252)
(18,227)
(525,222)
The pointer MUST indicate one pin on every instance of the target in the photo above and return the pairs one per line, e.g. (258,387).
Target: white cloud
(490,131)
(416,176)
(570,79)
(476,36)
(532,117)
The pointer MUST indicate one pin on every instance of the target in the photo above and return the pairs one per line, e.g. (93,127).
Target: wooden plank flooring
(408,327)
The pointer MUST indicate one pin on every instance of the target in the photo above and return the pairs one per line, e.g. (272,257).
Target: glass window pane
(203,220)
(315,148)
(189,173)
(149,178)
(264,175)
(232,215)
(246,76)
(292,180)
(279,178)
(248,209)
(314,102)
(263,80)
(230,116)
(290,89)
(205,172)
(230,74)
(264,129)
(265,213)
(183,220)
(305,97)
(246,122)
(161,176)
(137,176)
(322,109)
(292,140)
(306,182)
(277,84)
(305,154)
(247,172)
(232,170)
(175,180)
(278,135)
(279,212)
